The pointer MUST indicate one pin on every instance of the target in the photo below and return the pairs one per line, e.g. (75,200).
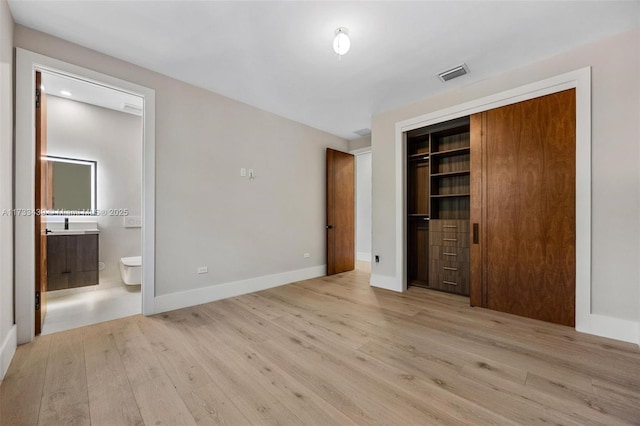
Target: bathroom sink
(55,226)
(72,231)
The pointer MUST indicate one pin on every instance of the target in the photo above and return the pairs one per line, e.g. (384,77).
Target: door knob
(329,226)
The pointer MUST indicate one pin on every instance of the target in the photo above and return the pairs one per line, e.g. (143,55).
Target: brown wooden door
(523,200)
(340,212)
(40,205)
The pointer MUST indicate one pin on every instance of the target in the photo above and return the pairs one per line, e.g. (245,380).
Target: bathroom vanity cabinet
(72,261)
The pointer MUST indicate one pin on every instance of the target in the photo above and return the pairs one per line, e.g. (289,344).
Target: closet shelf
(455,151)
(448,174)
(449,195)
(419,155)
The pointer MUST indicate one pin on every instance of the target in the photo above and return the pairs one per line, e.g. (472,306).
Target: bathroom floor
(91,307)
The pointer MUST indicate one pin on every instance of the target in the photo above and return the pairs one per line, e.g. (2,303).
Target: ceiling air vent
(454,72)
(363,132)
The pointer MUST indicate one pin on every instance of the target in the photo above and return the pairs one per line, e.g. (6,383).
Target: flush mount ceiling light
(341,44)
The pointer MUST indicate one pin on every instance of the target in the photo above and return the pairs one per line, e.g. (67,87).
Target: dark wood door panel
(58,281)
(340,212)
(56,248)
(529,198)
(87,248)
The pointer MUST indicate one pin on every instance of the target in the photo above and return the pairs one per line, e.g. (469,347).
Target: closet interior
(438,193)
(491,210)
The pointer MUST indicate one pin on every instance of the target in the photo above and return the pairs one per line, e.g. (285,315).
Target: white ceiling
(278,55)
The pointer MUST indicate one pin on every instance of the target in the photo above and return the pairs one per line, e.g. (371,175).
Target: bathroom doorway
(126,218)
(93,138)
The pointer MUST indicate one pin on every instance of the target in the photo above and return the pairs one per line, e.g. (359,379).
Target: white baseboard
(7,350)
(184,299)
(385,282)
(613,328)
(363,256)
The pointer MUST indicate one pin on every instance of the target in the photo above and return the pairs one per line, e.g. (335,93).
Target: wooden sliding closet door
(523,200)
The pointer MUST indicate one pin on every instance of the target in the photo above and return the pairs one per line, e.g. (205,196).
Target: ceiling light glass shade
(341,44)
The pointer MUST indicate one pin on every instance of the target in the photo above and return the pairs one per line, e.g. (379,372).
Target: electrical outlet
(306,255)
(203,270)
(377,259)
(243,172)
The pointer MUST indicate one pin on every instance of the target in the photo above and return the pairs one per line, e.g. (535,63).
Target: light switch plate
(132,222)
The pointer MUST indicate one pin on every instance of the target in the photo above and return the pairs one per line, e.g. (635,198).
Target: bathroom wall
(7,329)
(114,140)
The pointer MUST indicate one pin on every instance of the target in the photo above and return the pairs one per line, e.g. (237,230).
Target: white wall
(360,143)
(7,330)
(206,214)
(363,206)
(615,66)
(114,140)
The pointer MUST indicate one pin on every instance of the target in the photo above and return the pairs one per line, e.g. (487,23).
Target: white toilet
(131,270)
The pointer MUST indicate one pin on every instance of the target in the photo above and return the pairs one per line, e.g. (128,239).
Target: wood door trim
(40,242)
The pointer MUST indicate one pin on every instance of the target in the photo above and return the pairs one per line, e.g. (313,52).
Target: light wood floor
(327,351)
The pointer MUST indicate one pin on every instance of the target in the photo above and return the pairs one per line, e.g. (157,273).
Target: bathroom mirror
(71,186)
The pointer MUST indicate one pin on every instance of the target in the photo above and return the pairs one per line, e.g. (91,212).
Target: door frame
(357,152)
(581,81)
(27,63)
